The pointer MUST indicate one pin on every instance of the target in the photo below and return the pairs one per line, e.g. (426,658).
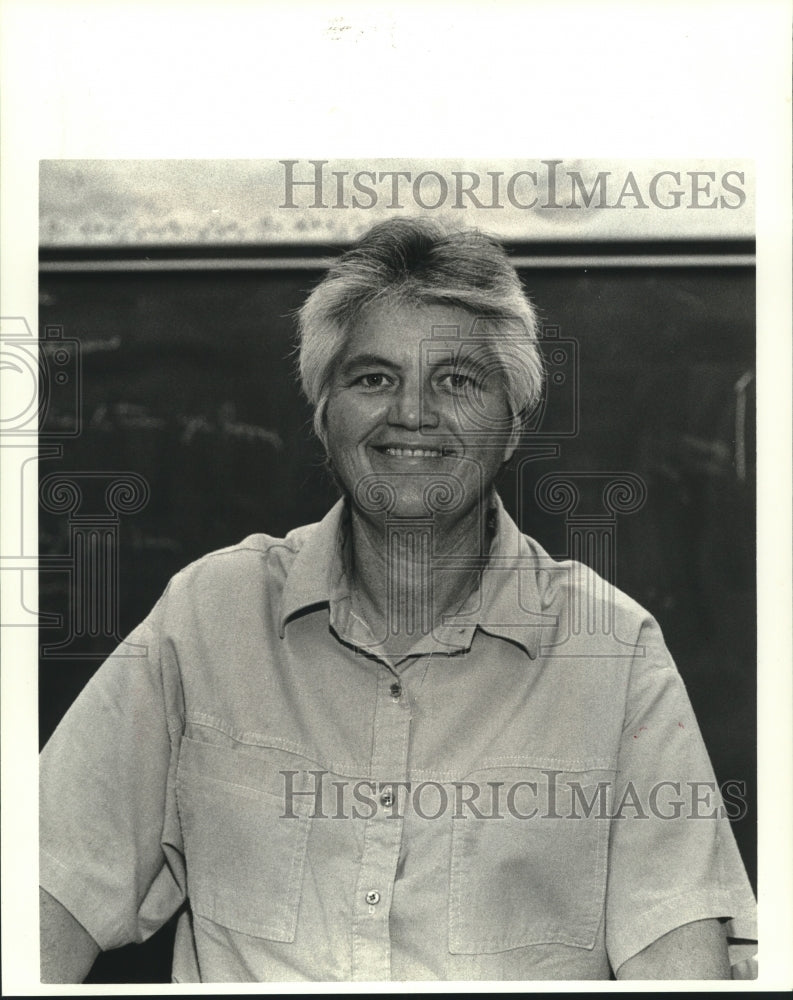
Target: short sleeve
(110,848)
(672,854)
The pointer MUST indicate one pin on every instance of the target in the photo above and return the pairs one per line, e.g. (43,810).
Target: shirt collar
(318,567)
(507,603)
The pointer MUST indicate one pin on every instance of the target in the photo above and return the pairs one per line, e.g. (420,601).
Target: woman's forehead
(405,329)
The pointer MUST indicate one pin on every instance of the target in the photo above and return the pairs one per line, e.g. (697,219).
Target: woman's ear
(513,439)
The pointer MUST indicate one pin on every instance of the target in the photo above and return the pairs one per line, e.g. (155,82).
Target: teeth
(414,452)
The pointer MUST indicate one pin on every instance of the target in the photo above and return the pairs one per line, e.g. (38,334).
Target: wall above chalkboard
(128,203)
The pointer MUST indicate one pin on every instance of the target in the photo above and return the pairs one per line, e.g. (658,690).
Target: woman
(384,747)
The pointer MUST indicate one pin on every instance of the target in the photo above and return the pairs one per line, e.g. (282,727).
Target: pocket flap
(244,856)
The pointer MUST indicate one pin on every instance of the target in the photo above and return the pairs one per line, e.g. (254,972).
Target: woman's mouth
(412,451)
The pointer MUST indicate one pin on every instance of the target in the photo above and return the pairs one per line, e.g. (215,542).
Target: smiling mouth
(396,451)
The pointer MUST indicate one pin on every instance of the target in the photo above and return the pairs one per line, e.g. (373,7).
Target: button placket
(382,835)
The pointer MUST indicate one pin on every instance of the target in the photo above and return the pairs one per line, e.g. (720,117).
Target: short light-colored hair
(418,262)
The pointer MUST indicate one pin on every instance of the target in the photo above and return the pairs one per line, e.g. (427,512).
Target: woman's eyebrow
(457,360)
(367,360)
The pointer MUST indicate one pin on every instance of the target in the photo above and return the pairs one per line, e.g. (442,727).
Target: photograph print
(396,569)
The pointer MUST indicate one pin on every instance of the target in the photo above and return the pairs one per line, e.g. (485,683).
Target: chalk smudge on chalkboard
(223,424)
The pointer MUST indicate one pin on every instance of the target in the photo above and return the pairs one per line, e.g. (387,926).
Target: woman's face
(417,409)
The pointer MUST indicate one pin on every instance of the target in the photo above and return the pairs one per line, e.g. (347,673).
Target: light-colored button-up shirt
(524,795)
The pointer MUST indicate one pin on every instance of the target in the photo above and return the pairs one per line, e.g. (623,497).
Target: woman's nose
(413,408)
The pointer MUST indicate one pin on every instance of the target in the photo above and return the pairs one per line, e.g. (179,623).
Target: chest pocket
(244,854)
(533,870)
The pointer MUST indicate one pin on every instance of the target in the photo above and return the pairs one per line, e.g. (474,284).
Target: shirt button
(396,689)
(387,799)
(372,897)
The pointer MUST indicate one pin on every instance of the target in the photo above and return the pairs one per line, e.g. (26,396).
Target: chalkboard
(188,383)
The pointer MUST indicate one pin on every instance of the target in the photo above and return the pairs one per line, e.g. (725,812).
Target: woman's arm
(694,951)
(67,949)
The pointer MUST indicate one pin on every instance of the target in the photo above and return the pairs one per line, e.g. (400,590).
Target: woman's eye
(373,380)
(456,381)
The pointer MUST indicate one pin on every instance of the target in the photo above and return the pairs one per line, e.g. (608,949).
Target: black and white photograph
(387,531)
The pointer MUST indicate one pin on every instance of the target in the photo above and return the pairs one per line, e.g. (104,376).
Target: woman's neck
(394,568)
